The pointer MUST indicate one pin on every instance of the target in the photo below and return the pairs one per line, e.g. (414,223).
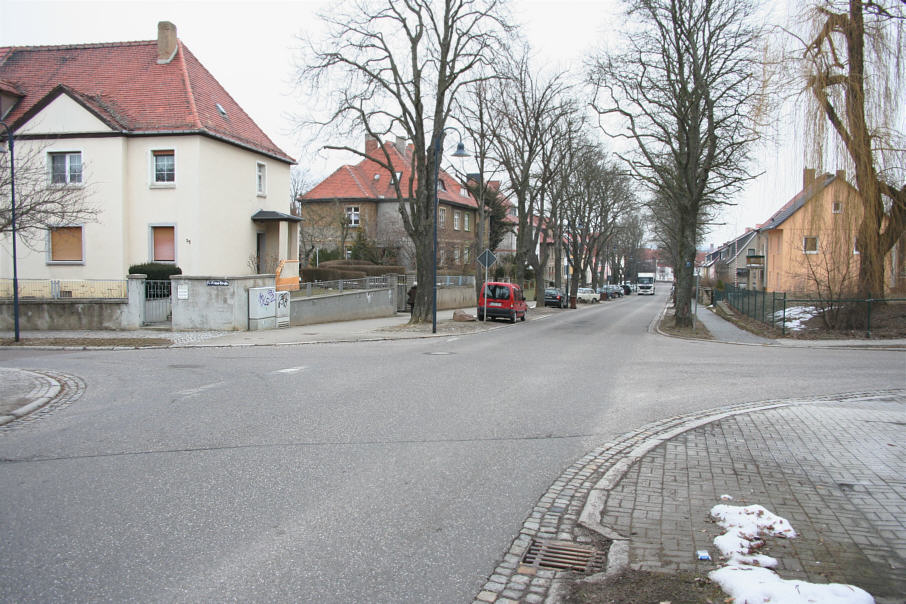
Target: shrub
(156,271)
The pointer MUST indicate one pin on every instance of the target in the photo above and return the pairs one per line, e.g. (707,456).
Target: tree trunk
(685,274)
(422,309)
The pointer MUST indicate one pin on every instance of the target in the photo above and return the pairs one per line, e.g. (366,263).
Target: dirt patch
(699,332)
(82,342)
(640,587)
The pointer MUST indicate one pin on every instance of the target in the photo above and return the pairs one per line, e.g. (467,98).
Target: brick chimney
(371,144)
(166,42)
(808,177)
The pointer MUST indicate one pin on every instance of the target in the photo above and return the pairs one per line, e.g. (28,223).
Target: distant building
(360,199)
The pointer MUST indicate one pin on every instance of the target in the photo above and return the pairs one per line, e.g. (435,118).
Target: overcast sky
(250,47)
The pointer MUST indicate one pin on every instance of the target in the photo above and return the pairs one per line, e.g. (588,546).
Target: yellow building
(809,244)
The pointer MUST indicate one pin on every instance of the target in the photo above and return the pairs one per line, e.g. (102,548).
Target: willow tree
(854,70)
(684,92)
(395,67)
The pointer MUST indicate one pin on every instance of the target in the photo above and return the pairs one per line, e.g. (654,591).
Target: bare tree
(532,107)
(480,122)
(41,203)
(396,66)
(597,197)
(854,61)
(685,93)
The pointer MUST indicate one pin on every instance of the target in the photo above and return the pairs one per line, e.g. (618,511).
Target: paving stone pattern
(833,466)
(70,390)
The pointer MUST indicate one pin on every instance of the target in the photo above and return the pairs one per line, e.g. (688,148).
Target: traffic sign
(487,258)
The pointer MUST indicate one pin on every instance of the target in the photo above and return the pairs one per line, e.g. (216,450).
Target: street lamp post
(460,152)
(12,208)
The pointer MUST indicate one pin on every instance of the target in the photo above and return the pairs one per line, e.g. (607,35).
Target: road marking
(290,369)
(193,391)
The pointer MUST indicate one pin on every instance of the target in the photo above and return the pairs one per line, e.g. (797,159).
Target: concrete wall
(346,306)
(79,313)
(219,303)
(456,297)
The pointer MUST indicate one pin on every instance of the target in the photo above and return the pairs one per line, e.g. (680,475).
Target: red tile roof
(358,181)
(124,86)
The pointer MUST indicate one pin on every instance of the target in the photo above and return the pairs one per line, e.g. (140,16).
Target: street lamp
(12,207)
(460,152)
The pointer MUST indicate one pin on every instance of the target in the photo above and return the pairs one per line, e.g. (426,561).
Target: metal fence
(57,289)
(781,311)
(315,288)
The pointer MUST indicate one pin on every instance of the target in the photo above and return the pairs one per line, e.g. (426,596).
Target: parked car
(554,297)
(504,300)
(611,291)
(587,294)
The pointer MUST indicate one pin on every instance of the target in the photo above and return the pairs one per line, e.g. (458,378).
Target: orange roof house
(178,171)
(360,199)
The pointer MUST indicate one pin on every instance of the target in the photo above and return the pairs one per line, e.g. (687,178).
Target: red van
(503,300)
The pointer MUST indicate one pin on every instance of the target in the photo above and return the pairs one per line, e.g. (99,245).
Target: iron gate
(157,301)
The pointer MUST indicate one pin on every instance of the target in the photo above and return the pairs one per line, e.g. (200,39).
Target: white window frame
(353,216)
(856,245)
(261,179)
(151,227)
(152,169)
(466,221)
(837,207)
(66,153)
(463,192)
(441,218)
(457,220)
(805,250)
(49,248)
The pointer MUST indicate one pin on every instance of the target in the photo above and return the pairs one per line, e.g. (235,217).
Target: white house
(178,172)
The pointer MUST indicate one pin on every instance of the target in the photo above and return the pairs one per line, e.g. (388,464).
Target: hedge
(156,271)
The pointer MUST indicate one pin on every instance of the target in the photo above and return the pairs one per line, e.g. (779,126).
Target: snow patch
(746,577)
(752,584)
(796,316)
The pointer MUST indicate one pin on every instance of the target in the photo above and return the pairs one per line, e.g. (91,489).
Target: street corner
(27,394)
(644,502)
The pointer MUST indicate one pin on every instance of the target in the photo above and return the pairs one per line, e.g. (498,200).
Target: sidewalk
(831,466)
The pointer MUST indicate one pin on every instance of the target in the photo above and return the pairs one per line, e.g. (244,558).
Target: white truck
(646,283)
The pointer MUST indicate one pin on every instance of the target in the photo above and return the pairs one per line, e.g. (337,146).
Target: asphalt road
(392,471)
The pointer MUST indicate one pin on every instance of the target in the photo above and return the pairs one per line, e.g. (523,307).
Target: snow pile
(745,577)
(796,316)
(743,526)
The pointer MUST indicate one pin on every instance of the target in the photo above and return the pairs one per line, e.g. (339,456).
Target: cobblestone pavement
(833,466)
(26,396)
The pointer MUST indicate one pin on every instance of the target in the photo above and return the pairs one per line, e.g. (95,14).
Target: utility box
(262,308)
(283,309)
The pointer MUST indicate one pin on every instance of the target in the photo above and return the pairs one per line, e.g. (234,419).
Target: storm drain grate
(562,555)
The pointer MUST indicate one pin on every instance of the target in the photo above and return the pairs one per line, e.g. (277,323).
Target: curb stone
(569,510)
(61,391)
